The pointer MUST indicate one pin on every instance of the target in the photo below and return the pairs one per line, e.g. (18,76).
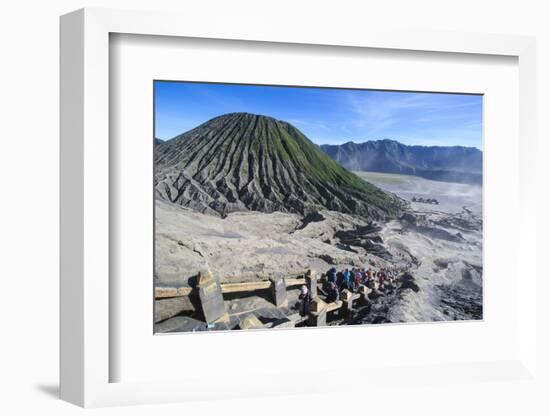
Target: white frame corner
(84,181)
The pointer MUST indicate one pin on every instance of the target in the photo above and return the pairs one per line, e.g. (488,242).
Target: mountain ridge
(443,163)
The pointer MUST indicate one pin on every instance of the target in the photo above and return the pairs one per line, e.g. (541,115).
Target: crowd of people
(335,281)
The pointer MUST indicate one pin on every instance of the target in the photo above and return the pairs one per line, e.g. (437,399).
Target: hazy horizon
(327,115)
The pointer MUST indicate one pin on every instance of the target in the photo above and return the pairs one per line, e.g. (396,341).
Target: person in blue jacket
(347,279)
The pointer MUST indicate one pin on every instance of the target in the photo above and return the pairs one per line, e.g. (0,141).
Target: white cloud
(432,118)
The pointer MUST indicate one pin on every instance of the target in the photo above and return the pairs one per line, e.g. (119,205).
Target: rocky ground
(440,251)
(255,246)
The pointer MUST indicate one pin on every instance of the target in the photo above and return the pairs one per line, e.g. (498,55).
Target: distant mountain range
(440,163)
(241,162)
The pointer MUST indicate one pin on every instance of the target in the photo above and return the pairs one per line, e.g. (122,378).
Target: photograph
(282,206)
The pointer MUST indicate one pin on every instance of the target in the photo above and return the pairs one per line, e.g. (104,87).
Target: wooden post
(311,283)
(211,298)
(347,299)
(317,313)
(278,290)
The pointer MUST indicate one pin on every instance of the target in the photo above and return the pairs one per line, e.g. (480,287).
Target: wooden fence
(208,293)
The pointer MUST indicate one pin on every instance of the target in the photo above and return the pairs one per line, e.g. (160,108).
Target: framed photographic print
(262,227)
(234,206)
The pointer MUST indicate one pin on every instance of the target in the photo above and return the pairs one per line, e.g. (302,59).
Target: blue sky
(327,116)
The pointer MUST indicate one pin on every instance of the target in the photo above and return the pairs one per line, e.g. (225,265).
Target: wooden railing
(209,293)
(172,291)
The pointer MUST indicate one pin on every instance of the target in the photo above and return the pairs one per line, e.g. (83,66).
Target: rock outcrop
(365,237)
(407,281)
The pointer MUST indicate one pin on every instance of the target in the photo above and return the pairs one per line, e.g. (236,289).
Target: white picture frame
(86,356)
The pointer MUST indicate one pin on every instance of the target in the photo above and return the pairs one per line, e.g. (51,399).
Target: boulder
(180,324)
(309,218)
(408,282)
(283,323)
(250,322)
(408,218)
(169,307)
